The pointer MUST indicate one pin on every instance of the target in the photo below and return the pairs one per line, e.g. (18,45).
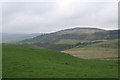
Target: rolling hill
(69,38)
(76,34)
(20,62)
(77,47)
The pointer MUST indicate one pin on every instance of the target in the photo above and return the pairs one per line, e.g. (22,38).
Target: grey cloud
(52,16)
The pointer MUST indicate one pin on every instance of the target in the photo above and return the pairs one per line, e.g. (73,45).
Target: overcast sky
(54,15)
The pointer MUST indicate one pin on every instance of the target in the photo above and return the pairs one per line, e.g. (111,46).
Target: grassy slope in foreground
(42,63)
(105,50)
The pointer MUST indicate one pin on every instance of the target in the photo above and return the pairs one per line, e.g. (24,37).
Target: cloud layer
(33,17)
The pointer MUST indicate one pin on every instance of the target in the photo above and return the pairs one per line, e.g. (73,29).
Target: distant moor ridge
(76,33)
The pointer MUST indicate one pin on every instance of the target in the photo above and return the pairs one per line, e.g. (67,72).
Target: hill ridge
(75,33)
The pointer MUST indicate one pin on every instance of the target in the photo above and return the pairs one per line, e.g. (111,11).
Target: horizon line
(65,29)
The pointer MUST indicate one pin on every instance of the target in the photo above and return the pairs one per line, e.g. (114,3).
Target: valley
(70,53)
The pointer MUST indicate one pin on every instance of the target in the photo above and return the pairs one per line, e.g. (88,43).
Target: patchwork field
(93,53)
(105,50)
(21,62)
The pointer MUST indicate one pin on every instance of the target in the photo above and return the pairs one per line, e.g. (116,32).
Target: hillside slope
(104,50)
(76,34)
(21,62)
(69,38)
(107,44)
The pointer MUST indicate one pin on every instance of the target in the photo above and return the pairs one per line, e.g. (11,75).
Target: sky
(45,16)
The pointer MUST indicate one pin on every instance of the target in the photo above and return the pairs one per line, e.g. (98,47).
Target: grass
(108,44)
(105,50)
(93,53)
(21,62)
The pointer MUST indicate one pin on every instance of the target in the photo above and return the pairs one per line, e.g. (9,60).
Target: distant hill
(69,38)
(9,38)
(79,31)
(76,34)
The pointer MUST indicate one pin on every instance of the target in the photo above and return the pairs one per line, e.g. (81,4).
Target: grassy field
(21,62)
(108,44)
(105,50)
(93,53)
